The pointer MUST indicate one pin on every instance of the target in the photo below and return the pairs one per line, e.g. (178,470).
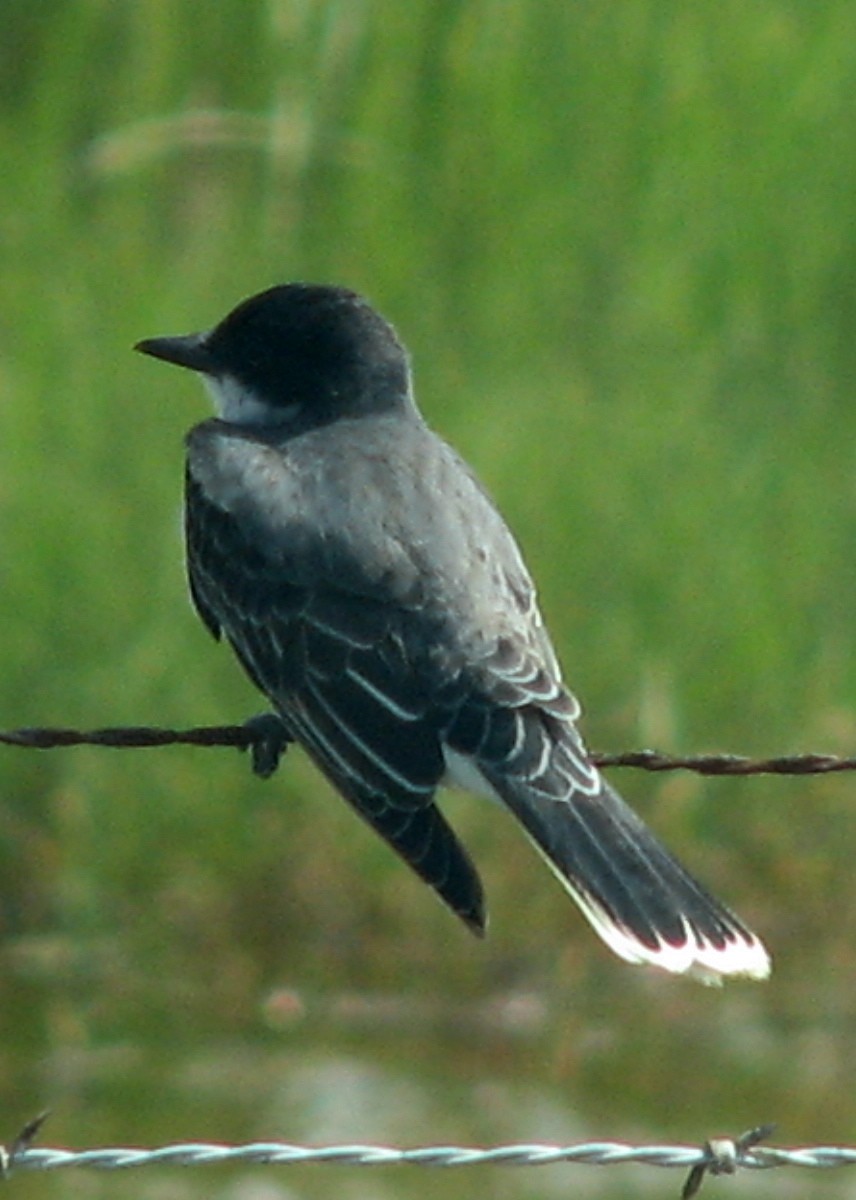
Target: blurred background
(620,241)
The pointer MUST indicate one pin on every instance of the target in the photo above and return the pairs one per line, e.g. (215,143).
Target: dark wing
(339,670)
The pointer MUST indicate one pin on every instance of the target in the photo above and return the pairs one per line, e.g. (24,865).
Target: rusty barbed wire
(242,737)
(129,737)
(729,764)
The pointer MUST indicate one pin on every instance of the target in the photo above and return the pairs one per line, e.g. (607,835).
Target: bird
(373,593)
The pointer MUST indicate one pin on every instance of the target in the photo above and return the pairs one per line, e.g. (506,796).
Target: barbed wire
(718,1156)
(130,737)
(243,737)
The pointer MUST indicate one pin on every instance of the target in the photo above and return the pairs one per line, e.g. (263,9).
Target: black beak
(187,351)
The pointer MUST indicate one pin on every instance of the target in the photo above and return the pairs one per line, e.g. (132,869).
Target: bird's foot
(270,740)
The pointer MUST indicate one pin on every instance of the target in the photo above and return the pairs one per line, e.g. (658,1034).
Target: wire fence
(245,737)
(717,1156)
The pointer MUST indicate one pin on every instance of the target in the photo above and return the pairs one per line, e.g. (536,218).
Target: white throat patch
(239,406)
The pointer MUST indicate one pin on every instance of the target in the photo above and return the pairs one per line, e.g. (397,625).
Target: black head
(296,347)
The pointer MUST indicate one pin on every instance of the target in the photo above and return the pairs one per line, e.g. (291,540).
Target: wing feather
(335,669)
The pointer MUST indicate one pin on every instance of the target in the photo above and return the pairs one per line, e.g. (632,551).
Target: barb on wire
(10,1156)
(718,1156)
(254,734)
(723,1156)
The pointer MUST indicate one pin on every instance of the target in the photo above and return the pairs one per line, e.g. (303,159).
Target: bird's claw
(270,740)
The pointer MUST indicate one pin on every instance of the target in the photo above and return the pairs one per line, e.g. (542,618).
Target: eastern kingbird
(374,594)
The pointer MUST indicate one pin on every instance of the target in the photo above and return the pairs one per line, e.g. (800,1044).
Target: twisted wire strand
(722,1156)
(138,737)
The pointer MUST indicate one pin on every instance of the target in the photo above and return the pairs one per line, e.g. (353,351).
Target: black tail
(639,899)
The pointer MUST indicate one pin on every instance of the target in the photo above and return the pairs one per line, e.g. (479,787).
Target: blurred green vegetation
(620,240)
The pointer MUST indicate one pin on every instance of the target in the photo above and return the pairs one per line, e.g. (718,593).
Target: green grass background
(620,241)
